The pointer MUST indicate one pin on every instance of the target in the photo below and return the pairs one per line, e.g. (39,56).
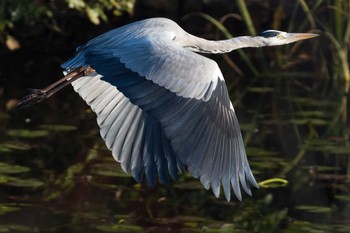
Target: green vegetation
(292,102)
(13,12)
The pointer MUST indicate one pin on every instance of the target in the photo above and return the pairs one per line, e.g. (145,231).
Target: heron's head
(274,37)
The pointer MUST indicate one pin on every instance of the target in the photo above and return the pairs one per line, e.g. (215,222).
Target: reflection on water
(77,188)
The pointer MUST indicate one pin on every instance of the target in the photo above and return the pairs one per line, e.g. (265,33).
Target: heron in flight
(163,108)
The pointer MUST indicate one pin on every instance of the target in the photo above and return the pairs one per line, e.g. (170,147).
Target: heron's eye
(269,34)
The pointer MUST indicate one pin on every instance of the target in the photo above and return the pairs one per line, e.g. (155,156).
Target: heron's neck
(225,46)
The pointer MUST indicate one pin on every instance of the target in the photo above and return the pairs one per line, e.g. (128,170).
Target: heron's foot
(35,96)
(35,91)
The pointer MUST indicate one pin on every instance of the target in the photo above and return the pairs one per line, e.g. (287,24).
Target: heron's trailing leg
(38,95)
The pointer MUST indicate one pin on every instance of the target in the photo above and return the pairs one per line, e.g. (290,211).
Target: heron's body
(161,107)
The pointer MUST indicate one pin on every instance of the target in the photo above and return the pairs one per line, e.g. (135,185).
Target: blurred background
(56,174)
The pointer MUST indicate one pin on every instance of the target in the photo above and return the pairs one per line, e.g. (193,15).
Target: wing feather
(96,93)
(208,160)
(170,157)
(102,100)
(137,168)
(226,172)
(119,129)
(159,157)
(235,177)
(197,159)
(148,156)
(130,140)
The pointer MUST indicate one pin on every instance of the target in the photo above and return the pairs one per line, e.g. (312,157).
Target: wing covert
(156,56)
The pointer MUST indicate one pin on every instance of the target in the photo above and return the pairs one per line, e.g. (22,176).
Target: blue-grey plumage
(161,107)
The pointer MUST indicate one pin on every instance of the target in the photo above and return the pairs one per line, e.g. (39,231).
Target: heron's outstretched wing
(202,128)
(156,56)
(136,139)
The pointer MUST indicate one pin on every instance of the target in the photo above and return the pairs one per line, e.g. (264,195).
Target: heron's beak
(292,37)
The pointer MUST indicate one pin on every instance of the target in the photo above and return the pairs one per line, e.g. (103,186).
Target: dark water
(65,180)
(56,175)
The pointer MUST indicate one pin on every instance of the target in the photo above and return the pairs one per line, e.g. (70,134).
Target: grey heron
(163,108)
